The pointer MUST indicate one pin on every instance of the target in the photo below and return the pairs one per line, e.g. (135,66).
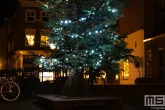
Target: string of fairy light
(66,22)
(82,19)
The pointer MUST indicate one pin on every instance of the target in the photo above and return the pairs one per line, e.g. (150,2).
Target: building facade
(132,24)
(23,37)
(26,34)
(154,29)
(133,19)
(3,44)
(1,48)
(155,59)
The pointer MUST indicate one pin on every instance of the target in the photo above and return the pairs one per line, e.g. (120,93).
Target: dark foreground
(22,104)
(133,96)
(31,104)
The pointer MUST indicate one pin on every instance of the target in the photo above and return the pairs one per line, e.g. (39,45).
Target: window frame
(46,15)
(26,15)
(44,32)
(32,32)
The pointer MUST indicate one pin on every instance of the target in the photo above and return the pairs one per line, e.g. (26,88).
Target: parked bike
(9,89)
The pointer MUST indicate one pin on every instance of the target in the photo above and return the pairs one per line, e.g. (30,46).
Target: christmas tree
(85,34)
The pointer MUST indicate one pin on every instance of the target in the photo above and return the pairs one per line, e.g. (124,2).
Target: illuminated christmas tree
(84,34)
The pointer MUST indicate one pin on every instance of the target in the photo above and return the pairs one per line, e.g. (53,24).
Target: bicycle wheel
(10,91)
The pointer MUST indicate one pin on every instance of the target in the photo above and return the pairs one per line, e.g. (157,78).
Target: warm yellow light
(126,70)
(86,76)
(44,40)
(0,65)
(126,75)
(117,76)
(147,39)
(46,76)
(27,36)
(104,74)
(30,39)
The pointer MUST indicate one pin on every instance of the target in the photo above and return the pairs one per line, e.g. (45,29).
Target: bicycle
(9,89)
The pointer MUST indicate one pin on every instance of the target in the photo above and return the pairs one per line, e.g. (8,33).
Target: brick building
(25,34)
(154,26)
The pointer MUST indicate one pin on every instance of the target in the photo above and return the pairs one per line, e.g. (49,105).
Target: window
(46,76)
(44,37)
(44,40)
(149,69)
(30,36)
(30,15)
(44,16)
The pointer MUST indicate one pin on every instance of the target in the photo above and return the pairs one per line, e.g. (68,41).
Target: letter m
(149,100)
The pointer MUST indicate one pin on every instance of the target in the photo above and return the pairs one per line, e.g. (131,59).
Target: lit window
(44,40)
(44,16)
(44,37)
(30,36)
(46,76)
(30,15)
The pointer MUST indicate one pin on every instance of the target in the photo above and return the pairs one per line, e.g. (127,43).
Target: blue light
(66,22)
(92,51)
(96,31)
(82,19)
(90,33)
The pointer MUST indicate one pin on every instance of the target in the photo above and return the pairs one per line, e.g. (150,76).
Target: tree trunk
(75,85)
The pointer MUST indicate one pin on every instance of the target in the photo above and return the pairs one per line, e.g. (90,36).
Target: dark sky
(7,9)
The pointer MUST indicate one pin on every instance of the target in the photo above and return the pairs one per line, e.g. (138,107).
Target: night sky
(7,9)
